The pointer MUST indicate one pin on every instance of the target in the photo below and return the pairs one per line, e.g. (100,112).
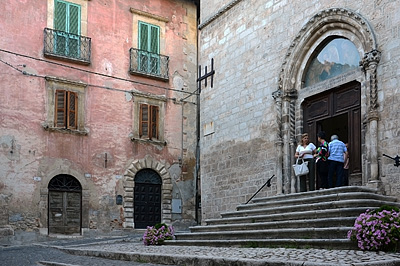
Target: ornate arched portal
(145,165)
(322,27)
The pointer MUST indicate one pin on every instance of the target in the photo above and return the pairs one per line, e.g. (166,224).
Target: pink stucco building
(97,114)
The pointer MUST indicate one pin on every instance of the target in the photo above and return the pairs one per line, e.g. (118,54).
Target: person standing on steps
(321,160)
(336,159)
(305,150)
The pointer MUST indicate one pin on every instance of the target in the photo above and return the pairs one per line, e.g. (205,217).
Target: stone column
(277,95)
(369,63)
(288,129)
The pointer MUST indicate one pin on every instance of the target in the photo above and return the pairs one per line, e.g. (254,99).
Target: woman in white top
(306,150)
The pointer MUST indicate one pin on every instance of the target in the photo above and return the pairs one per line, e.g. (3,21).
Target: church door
(337,111)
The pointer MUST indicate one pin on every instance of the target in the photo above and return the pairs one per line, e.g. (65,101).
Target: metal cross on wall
(206,75)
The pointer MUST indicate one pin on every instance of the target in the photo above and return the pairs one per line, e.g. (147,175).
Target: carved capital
(370,60)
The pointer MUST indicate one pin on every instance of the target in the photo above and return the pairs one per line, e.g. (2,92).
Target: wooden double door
(65,205)
(147,199)
(338,112)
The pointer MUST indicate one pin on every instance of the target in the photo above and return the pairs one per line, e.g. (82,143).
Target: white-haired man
(337,156)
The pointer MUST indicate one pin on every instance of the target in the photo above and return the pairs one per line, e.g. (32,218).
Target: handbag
(300,169)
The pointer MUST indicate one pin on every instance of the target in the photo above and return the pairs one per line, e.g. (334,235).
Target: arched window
(64,183)
(336,57)
(148,176)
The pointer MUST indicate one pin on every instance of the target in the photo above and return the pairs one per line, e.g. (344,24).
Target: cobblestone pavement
(210,256)
(48,251)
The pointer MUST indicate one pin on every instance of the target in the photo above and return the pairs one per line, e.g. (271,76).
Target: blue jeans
(335,167)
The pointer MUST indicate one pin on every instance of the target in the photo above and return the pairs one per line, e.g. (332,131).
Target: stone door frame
(327,24)
(129,187)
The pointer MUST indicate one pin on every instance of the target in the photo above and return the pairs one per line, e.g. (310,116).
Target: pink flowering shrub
(155,235)
(377,230)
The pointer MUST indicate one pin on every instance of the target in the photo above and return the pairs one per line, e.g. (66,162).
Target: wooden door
(64,212)
(65,205)
(337,109)
(147,199)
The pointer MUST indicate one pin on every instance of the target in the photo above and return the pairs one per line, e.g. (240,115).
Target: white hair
(333,137)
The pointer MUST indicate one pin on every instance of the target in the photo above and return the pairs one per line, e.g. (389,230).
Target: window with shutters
(149,113)
(149,117)
(65,110)
(63,37)
(146,56)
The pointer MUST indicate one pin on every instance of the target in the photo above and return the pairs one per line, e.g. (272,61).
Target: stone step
(317,198)
(315,223)
(269,243)
(298,233)
(370,203)
(316,219)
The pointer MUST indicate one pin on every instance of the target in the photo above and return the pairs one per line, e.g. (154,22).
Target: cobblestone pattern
(239,256)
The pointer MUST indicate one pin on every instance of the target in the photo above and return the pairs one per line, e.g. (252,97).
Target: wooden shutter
(72,114)
(66,113)
(144,121)
(149,119)
(60,101)
(154,122)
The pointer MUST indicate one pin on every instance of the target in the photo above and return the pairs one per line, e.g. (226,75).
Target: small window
(66,114)
(336,57)
(65,106)
(149,121)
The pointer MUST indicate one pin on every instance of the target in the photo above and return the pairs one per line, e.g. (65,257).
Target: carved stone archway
(129,185)
(327,24)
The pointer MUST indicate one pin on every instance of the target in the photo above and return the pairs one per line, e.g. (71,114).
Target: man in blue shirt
(337,156)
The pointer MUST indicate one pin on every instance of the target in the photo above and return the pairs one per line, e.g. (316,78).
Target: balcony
(148,64)
(67,46)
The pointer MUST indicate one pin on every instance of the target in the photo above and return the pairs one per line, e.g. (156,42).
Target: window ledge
(64,130)
(149,141)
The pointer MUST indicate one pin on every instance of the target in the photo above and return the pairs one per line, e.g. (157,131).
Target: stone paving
(213,256)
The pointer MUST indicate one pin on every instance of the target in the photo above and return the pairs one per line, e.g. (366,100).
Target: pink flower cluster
(155,235)
(377,230)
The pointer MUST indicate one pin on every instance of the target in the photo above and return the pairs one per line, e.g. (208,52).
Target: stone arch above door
(129,185)
(331,22)
(325,25)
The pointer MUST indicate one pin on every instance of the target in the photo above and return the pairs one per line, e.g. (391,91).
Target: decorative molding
(324,21)
(149,15)
(218,14)
(369,63)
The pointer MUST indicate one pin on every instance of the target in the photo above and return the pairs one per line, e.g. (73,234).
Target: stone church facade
(272,83)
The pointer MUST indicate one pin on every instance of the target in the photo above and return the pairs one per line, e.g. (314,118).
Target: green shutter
(60,16)
(67,17)
(143,36)
(149,37)
(154,39)
(74,19)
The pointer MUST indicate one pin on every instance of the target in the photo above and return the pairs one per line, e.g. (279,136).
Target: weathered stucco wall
(242,127)
(30,155)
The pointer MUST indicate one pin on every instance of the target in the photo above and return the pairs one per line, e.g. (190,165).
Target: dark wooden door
(147,199)
(64,212)
(338,109)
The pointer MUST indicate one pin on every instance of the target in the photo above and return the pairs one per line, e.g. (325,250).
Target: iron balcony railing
(148,64)
(68,46)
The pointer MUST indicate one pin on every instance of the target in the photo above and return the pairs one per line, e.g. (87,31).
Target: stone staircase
(315,219)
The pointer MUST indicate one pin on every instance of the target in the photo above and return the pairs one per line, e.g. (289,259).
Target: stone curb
(212,261)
